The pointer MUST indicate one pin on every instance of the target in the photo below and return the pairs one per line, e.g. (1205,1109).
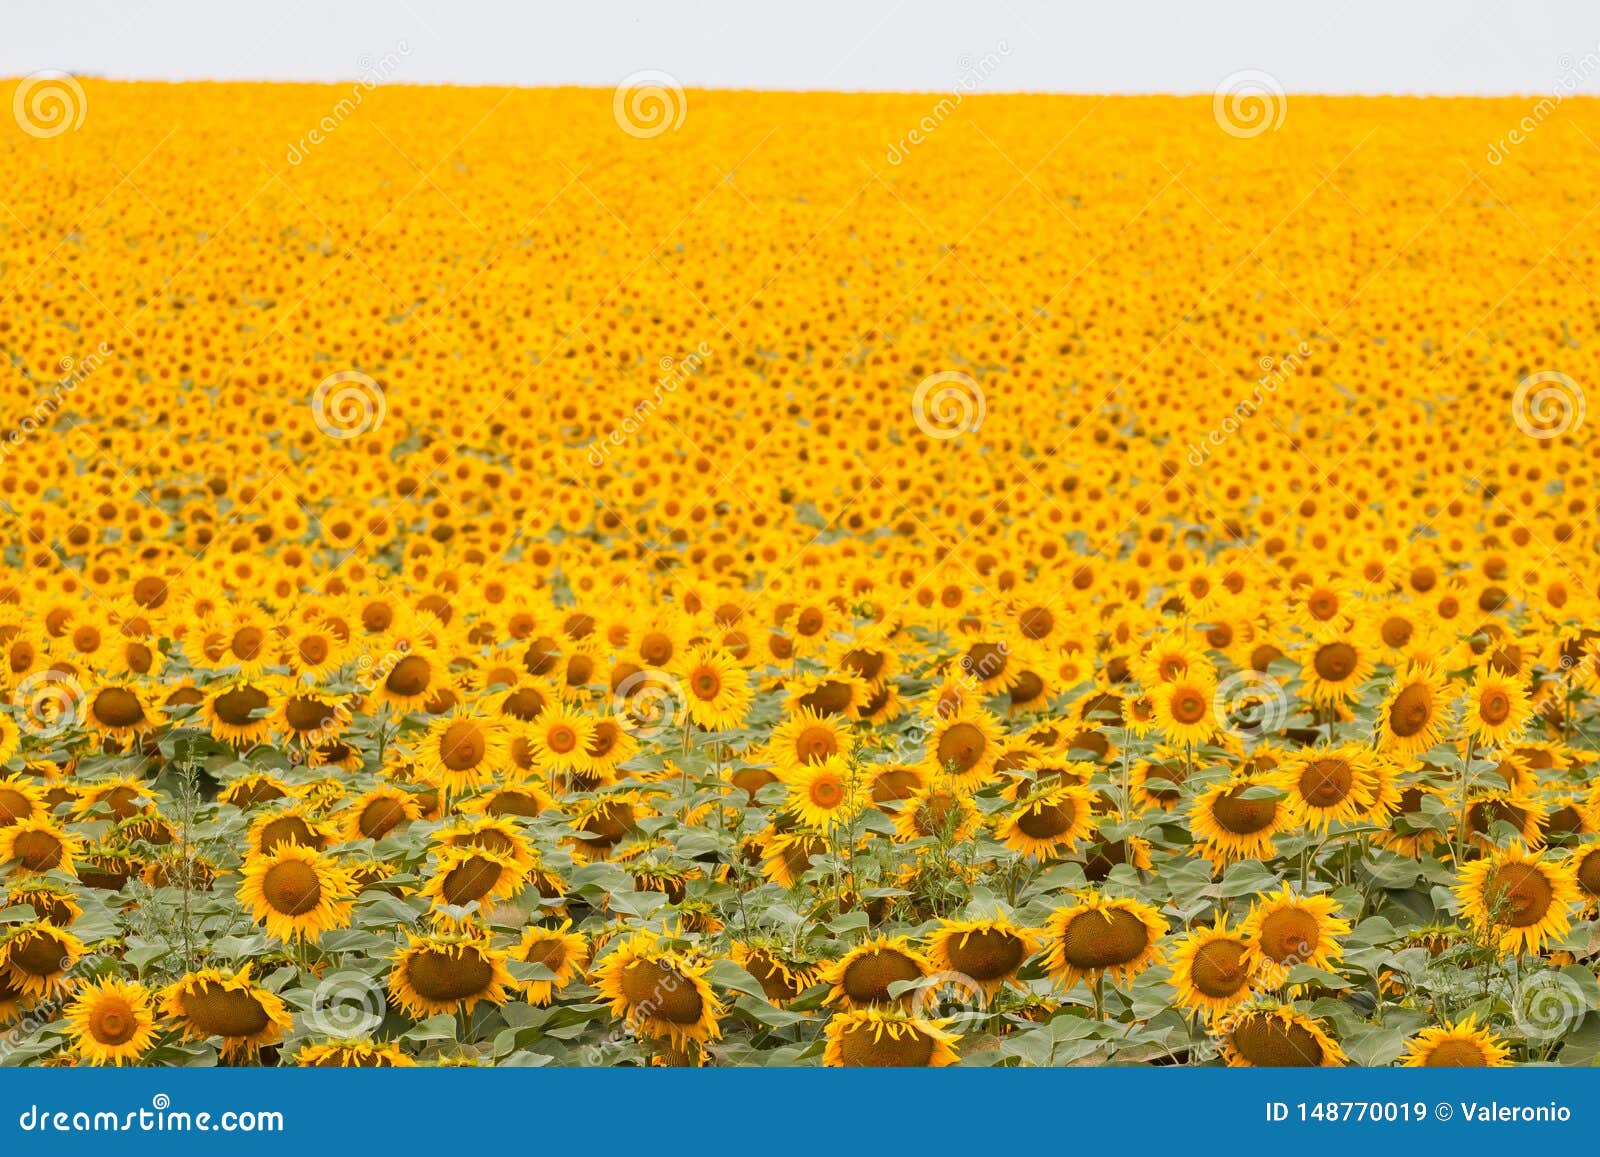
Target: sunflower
(1157,782)
(1583,863)
(825,795)
(559,740)
(1518,898)
(112,1022)
(213,1003)
(10,744)
(1214,969)
(803,739)
(1276,1036)
(119,710)
(1459,1045)
(880,1038)
(376,813)
(1101,934)
(445,972)
(1410,831)
(989,951)
(468,875)
(1338,667)
(560,950)
(297,893)
(1183,709)
(963,746)
(787,856)
(413,678)
(716,689)
(36,846)
(461,751)
(659,993)
(56,905)
(862,976)
(783,976)
(1049,822)
(353,1054)
(1237,820)
(35,957)
(1328,785)
(1413,716)
(295,824)
(1497,707)
(937,811)
(239,712)
(20,799)
(1287,930)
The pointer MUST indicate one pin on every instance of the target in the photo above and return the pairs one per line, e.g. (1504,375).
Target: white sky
(1336,46)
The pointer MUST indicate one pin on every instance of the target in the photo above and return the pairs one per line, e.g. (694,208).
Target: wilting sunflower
(1328,785)
(659,993)
(469,875)
(1459,1045)
(1214,969)
(862,976)
(962,748)
(296,892)
(716,689)
(442,973)
(1101,934)
(1518,897)
(825,795)
(112,1022)
(783,976)
(990,951)
(1287,930)
(37,845)
(1049,822)
(561,950)
(353,1054)
(461,751)
(49,902)
(213,1003)
(887,1038)
(1497,707)
(35,957)
(1276,1036)
(1237,820)
(1413,717)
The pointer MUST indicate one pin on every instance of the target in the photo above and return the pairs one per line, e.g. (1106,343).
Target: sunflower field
(561,577)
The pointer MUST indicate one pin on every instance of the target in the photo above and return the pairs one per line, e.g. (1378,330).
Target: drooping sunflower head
(782,974)
(1276,1036)
(443,972)
(1102,934)
(863,976)
(353,1054)
(887,1038)
(659,992)
(213,1003)
(1461,1044)
(990,951)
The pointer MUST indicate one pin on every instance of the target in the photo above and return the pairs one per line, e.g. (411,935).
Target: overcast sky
(1336,46)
